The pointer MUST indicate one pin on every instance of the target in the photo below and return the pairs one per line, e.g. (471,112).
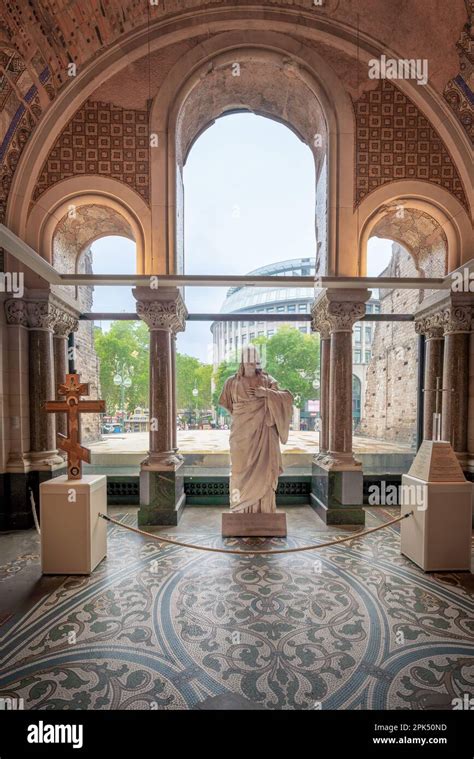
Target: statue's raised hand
(258,392)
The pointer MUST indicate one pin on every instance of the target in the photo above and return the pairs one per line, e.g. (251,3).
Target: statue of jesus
(261,415)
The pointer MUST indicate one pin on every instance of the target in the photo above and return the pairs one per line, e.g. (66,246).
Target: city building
(228,338)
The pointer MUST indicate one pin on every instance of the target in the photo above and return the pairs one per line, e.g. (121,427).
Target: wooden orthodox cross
(72,390)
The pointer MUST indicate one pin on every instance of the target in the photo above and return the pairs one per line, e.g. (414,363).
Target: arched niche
(118,208)
(418,216)
(270,75)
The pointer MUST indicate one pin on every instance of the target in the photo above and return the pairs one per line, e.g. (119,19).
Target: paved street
(217,441)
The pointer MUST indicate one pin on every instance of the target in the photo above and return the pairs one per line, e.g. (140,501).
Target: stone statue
(261,415)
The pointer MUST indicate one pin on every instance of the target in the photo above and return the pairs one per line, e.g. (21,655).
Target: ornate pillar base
(337,493)
(45,461)
(165,461)
(162,497)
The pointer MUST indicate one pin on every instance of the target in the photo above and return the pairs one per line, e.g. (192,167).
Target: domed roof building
(229,337)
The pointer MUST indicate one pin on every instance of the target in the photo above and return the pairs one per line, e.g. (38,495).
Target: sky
(249,201)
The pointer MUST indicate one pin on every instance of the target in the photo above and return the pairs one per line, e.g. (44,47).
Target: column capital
(457,318)
(430,325)
(338,310)
(320,318)
(16,312)
(65,324)
(42,314)
(161,309)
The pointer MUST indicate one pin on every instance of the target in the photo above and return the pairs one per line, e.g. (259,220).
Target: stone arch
(122,209)
(187,104)
(418,200)
(298,28)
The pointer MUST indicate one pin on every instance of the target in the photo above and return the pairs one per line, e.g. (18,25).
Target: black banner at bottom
(81,733)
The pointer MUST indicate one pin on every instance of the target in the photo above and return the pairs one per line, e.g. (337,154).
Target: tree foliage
(190,374)
(289,356)
(225,370)
(124,345)
(293,359)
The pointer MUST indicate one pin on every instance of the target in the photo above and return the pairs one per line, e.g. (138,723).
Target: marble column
(174,410)
(42,317)
(431,326)
(65,324)
(337,480)
(19,394)
(345,307)
(320,323)
(161,485)
(457,327)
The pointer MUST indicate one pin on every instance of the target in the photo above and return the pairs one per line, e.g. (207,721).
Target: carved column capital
(343,315)
(16,312)
(320,318)
(42,314)
(430,325)
(65,324)
(457,318)
(161,310)
(338,310)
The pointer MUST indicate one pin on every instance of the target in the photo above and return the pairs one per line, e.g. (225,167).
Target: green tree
(190,374)
(204,385)
(124,344)
(293,359)
(225,370)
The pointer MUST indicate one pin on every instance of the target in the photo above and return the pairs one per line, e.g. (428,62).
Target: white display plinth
(437,537)
(73,536)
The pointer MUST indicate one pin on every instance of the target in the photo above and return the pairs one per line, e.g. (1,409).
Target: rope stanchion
(250,552)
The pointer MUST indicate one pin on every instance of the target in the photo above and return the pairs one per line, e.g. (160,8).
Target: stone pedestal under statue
(437,536)
(254,525)
(73,536)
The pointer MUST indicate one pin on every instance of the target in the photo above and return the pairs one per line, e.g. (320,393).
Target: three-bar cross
(72,404)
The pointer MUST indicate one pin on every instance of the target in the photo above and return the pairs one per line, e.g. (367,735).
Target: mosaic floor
(349,627)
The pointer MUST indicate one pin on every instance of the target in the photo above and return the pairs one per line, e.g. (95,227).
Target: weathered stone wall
(87,362)
(321,219)
(390,408)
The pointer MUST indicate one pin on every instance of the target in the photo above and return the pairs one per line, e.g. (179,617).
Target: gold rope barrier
(250,552)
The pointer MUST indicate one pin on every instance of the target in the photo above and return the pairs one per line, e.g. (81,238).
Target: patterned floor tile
(348,627)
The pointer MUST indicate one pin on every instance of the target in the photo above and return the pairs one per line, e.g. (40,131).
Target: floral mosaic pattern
(155,627)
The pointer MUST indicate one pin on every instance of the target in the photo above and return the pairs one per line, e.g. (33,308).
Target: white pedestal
(438,535)
(73,536)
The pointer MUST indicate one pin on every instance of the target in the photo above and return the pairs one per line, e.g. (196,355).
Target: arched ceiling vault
(100,39)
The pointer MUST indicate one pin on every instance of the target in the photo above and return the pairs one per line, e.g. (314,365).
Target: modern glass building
(230,337)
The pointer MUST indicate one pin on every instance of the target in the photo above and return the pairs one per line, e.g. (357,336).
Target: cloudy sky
(249,201)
